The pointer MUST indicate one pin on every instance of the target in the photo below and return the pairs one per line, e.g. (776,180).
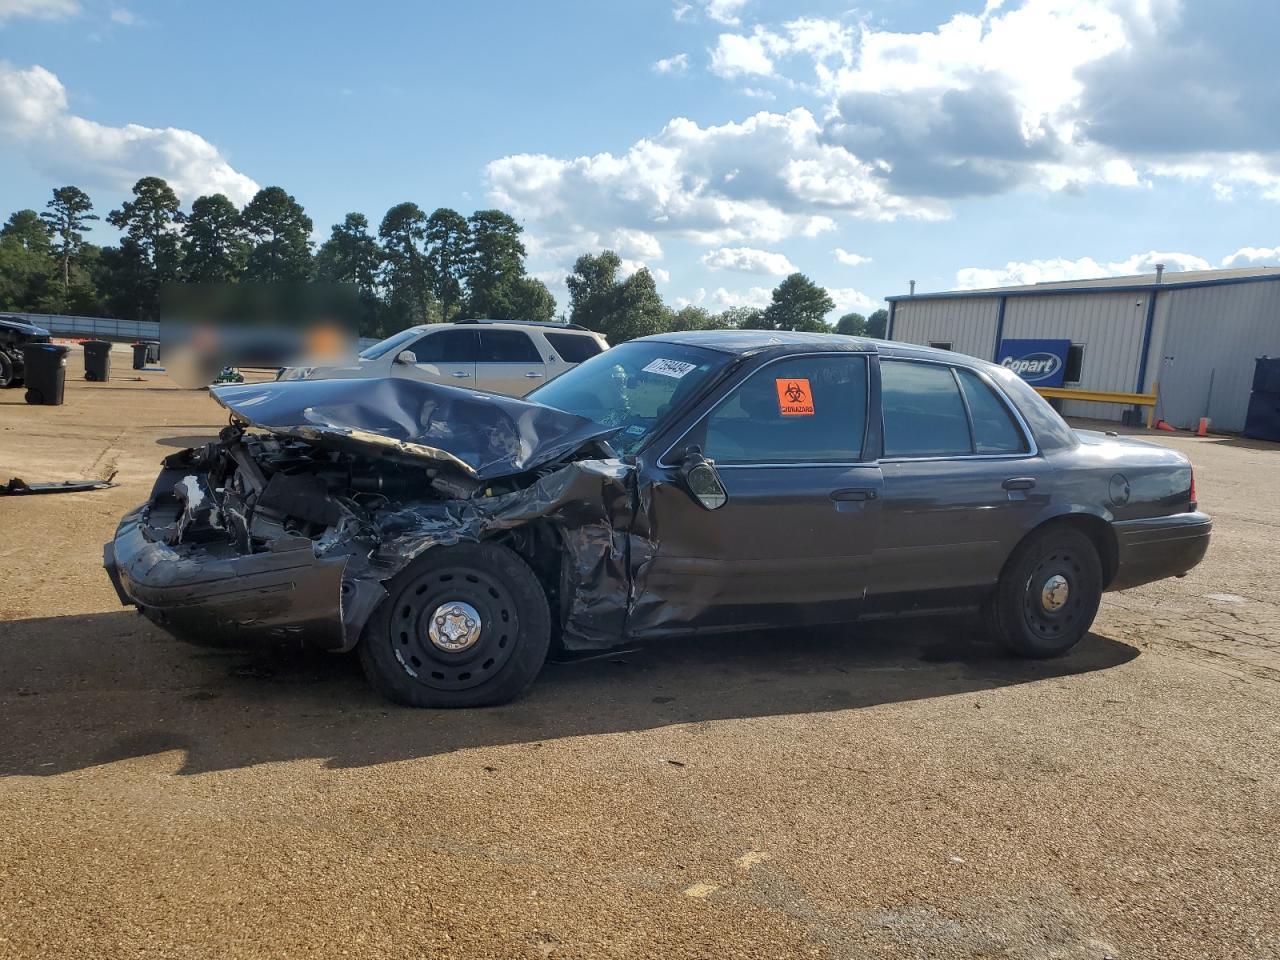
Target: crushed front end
(286,533)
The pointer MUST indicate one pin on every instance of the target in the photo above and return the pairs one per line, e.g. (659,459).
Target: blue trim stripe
(1146,339)
(1063,291)
(995,350)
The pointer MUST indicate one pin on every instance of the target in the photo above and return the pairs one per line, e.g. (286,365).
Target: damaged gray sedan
(677,484)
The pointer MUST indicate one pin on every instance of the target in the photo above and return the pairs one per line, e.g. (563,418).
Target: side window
(1075,363)
(994,430)
(573,347)
(805,410)
(507,346)
(447,346)
(923,413)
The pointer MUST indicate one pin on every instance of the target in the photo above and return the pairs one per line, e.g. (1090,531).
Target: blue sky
(720,143)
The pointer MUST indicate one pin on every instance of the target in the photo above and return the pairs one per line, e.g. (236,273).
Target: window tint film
(447,346)
(507,346)
(923,413)
(994,430)
(573,347)
(806,410)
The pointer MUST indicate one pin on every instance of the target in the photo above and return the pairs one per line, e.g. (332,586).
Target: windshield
(633,386)
(397,341)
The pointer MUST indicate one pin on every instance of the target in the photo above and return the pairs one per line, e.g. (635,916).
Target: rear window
(573,347)
(507,346)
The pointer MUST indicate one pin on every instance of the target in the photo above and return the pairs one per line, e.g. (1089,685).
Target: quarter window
(923,413)
(447,346)
(804,410)
(994,430)
(573,347)
(507,346)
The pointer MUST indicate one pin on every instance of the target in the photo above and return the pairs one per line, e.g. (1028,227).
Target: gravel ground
(898,792)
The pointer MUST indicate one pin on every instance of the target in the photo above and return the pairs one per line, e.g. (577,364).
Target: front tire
(7,379)
(1048,594)
(463,626)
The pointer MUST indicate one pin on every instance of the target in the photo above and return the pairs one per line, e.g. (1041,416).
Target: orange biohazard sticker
(795,399)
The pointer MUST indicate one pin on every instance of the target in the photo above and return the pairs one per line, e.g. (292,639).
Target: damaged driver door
(791,539)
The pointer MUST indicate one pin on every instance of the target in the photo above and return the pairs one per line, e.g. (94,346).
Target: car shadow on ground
(80,691)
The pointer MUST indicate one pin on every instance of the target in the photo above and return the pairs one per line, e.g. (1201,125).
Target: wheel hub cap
(1054,593)
(455,626)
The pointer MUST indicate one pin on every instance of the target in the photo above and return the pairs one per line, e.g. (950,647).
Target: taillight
(1193,488)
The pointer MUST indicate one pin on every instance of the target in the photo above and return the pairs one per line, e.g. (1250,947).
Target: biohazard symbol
(795,399)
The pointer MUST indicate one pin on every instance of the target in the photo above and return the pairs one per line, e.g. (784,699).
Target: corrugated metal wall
(1218,330)
(968,324)
(1108,325)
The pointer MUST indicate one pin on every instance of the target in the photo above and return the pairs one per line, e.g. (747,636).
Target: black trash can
(46,372)
(140,351)
(97,360)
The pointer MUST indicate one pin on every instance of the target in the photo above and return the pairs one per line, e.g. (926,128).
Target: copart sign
(1039,362)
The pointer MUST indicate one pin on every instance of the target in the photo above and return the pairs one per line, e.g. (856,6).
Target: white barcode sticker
(669,368)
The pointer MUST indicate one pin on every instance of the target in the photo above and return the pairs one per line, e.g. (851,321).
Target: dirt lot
(894,793)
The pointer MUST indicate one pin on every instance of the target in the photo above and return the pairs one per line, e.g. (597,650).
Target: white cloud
(847,299)
(748,260)
(1085,268)
(125,17)
(758,93)
(37,9)
(679,63)
(764,179)
(36,122)
(1251,255)
(849,259)
(753,297)
(735,55)
(724,11)
(636,243)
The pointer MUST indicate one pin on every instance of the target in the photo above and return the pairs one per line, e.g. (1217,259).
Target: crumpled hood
(484,435)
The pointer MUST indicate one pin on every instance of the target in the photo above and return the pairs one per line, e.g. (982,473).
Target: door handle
(533,376)
(1019,483)
(858,493)
(461,375)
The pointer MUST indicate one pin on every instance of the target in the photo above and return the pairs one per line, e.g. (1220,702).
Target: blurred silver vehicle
(507,357)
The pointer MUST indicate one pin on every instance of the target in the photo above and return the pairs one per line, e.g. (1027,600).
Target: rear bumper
(1159,547)
(286,596)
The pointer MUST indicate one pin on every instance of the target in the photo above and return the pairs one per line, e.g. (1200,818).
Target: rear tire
(7,378)
(463,626)
(1048,594)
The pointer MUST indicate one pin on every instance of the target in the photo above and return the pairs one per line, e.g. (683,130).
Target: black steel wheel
(1048,593)
(463,626)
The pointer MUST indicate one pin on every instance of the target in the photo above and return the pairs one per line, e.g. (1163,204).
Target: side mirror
(407,356)
(698,474)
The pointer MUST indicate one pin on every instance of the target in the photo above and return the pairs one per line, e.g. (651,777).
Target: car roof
(751,342)
(525,325)
(25,326)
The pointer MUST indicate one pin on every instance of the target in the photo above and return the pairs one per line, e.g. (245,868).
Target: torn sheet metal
(18,487)
(483,435)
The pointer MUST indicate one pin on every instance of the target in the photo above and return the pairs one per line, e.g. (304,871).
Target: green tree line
(416,268)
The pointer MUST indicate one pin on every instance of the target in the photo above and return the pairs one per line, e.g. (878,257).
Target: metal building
(1196,334)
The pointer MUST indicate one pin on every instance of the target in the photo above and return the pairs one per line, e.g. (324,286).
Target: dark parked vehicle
(14,334)
(677,484)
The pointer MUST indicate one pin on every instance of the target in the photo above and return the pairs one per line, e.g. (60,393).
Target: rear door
(793,543)
(962,483)
(447,355)
(509,362)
